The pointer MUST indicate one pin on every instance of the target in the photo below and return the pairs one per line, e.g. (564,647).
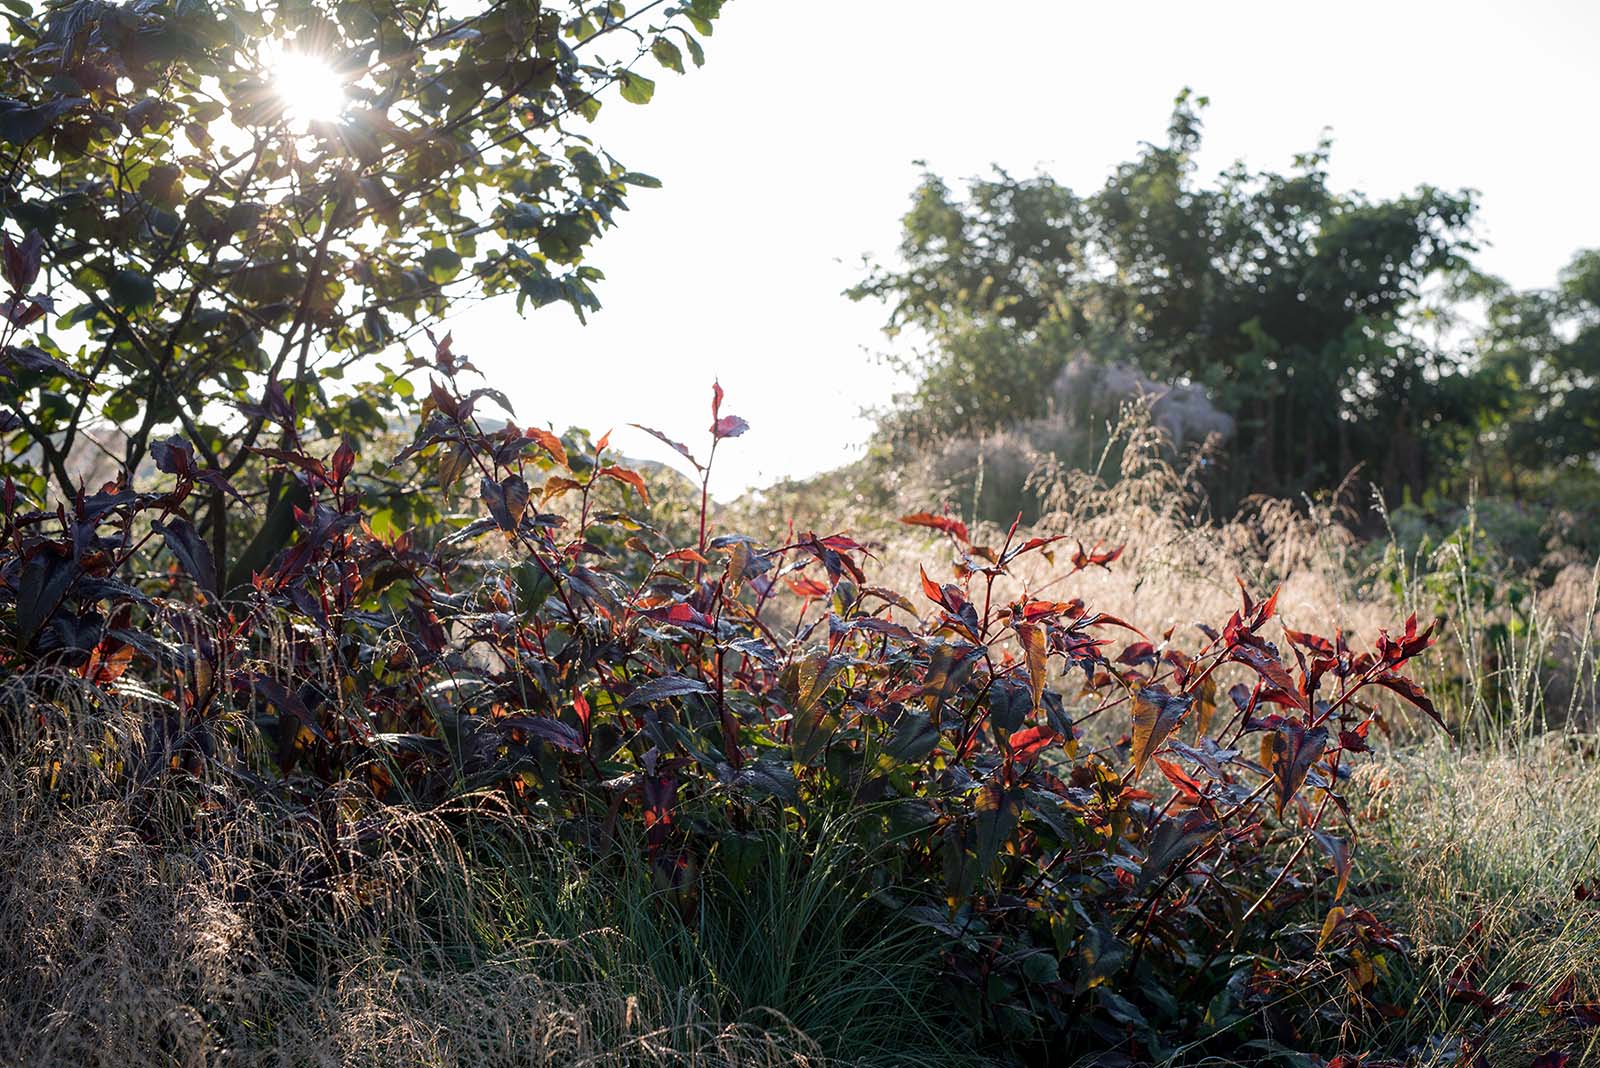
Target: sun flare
(311,90)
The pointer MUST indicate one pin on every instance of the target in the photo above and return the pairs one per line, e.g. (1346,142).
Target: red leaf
(1272,670)
(1355,739)
(1138,653)
(1338,850)
(107,661)
(506,500)
(216,480)
(344,461)
(1035,610)
(1105,619)
(21,263)
(1309,641)
(677,446)
(309,464)
(1027,744)
(174,456)
(1095,557)
(1030,545)
(840,543)
(1410,691)
(1187,786)
(808,588)
(1035,650)
(581,708)
(1395,653)
(729,426)
(931,589)
(682,615)
(1289,751)
(1155,714)
(949,525)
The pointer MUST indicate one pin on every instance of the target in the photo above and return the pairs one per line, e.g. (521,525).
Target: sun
(311,90)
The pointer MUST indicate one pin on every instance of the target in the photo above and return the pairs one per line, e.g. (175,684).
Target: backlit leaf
(627,477)
(1155,715)
(1034,653)
(947,524)
(1289,750)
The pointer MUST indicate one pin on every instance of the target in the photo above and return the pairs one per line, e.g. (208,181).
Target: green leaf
(442,264)
(20,123)
(1173,840)
(768,778)
(1100,954)
(1009,704)
(636,88)
(667,54)
(129,290)
(811,728)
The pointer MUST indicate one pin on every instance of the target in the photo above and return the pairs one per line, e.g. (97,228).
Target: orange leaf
(556,485)
(628,477)
(1033,647)
(1205,706)
(549,442)
(1186,784)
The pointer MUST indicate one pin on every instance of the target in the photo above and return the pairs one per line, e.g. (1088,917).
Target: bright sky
(790,154)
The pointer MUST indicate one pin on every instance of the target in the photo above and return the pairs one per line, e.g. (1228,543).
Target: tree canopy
(1311,314)
(213,262)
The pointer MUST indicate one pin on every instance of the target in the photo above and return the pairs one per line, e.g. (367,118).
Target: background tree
(1541,373)
(223,240)
(1298,308)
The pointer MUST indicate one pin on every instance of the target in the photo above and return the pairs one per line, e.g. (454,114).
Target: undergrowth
(547,783)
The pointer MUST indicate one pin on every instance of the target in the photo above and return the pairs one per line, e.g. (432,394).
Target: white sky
(790,154)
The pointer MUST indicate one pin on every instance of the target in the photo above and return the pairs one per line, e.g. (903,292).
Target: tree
(215,258)
(1295,306)
(1541,354)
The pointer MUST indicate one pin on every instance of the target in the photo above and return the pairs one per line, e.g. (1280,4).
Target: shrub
(1093,888)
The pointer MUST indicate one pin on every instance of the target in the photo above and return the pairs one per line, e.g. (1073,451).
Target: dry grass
(1497,668)
(142,927)
(1474,853)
